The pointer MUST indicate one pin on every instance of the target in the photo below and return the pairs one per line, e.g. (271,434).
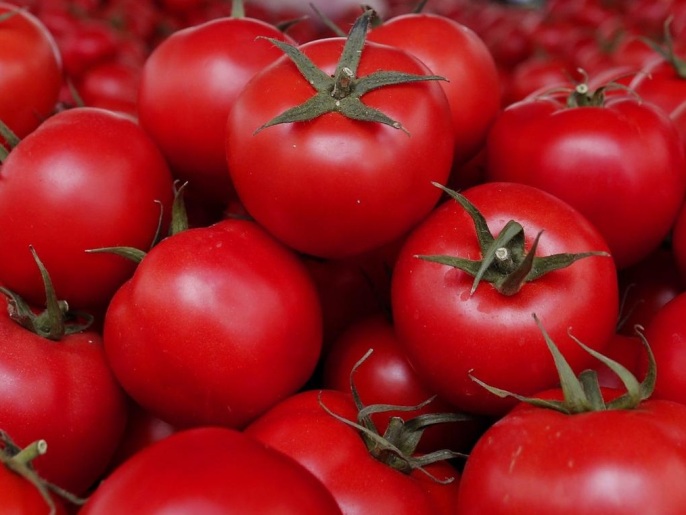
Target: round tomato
(216,325)
(337,184)
(87,178)
(594,157)
(582,462)
(188,85)
(311,428)
(451,330)
(210,470)
(64,393)
(30,70)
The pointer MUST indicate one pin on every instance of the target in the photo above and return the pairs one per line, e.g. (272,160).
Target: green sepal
(342,93)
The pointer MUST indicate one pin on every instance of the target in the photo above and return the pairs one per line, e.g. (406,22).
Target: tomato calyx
(582,394)
(505,262)
(56,321)
(342,92)
(397,445)
(19,461)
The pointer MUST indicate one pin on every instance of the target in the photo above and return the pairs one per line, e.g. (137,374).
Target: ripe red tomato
(594,157)
(473,85)
(335,452)
(450,331)
(386,377)
(188,121)
(582,462)
(210,470)
(87,178)
(30,70)
(62,392)
(216,325)
(335,186)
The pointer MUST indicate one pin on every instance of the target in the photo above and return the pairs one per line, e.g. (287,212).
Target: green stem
(237,9)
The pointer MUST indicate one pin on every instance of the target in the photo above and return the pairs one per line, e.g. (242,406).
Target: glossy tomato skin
(335,187)
(64,393)
(335,453)
(210,470)
(187,121)
(448,334)
(595,159)
(473,84)
(87,178)
(30,70)
(536,460)
(217,324)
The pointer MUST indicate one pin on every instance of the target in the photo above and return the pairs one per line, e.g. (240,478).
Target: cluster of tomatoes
(320,258)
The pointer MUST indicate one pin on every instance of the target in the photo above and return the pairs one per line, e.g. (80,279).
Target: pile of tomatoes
(324,258)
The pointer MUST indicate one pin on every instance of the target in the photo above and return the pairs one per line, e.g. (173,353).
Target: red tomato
(336,186)
(30,70)
(64,393)
(473,85)
(210,470)
(595,159)
(216,325)
(87,178)
(582,462)
(386,377)
(333,451)
(188,121)
(666,334)
(449,333)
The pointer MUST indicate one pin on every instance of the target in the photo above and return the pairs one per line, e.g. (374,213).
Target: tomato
(187,121)
(665,333)
(210,470)
(594,158)
(473,85)
(335,186)
(386,377)
(581,461)
(87,178)
(333,451)
(30,70)
(565,441)
(449,330)
(216,325)
(62,392)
